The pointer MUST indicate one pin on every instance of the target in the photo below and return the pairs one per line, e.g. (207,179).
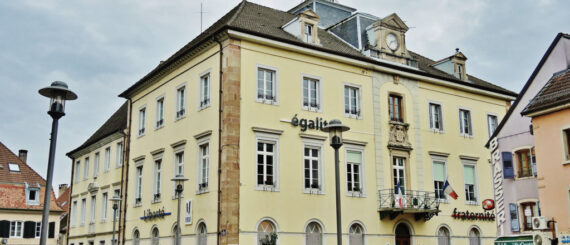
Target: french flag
(449,191)
(400,202)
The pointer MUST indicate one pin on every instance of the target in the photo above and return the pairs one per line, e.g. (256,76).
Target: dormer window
(460,72)
(32,195)
(14,167)
(308,33)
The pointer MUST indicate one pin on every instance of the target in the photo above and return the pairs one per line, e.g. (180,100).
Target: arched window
(202,234)
(474,237)
(314,234)
(443,237)
(155,236)
(264,230)
(174,234)
(136,237)
(356,235)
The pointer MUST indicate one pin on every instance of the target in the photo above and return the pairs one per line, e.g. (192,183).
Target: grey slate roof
(554,93)
(116,123)
(266,22)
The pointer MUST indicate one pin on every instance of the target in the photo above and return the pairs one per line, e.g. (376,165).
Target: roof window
(14,167)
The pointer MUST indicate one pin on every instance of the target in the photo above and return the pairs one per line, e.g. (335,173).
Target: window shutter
(29,229)
(469,174)
(514,217)
(439,171)
(51,232)
(4,228)
(353,157)
(508,170)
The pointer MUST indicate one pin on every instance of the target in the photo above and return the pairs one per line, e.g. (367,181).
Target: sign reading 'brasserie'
(305,124)
(149,214)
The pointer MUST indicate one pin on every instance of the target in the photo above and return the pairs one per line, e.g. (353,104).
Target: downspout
(219,140)
(70,202)
(125,174)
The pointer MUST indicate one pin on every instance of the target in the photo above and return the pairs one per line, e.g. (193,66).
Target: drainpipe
(125,173)
(70,202)
(219,141)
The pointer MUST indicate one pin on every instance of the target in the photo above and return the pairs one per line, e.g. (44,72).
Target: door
(402,235)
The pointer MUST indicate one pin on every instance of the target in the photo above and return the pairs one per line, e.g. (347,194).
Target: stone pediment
(310,14)
(393,21)
(460,56)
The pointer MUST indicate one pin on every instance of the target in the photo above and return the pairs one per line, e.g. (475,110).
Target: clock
(392,41)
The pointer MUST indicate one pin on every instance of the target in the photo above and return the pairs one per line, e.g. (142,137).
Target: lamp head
(58,93)
(335,129)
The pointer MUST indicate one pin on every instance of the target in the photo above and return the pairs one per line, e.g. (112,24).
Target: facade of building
(62,201)
(21,201)
(550,113)
(516,176)
(98,166)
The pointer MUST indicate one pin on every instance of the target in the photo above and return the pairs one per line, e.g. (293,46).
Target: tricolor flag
(449,191)
(400,202)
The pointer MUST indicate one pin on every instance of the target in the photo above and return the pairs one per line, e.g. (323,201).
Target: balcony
(422,204)
(399,136)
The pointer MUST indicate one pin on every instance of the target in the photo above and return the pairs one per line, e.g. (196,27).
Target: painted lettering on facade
(149,214)
(498,185)
(305,124)
(486,216)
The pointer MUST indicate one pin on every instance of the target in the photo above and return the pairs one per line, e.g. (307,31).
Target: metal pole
(337,183)
(178,221)
(114,220)
(47,195)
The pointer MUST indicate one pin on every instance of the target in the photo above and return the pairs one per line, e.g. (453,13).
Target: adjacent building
(62,201)
(22,193)
(238,111)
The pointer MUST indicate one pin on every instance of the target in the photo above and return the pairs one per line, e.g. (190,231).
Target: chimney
(61,189)
(23,155)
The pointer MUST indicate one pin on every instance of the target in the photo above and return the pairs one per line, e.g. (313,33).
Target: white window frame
(104,206)
(92,209)
(203,102)
(107,159)
(15,223)
(565,145)
(274,92)
(314,144)
(178,150)
(180,108)
(139,182)
(319,90)
(362,170)
(73,217)
(142,121)
(96,163)
(86,168)
(35,201)
(489,115)
(308,32)
(475,186)
(157,178)
(83,210)
(441,128)
(444,161)
(159,115)
(117,192)
(119,154)
(199,167)
(404,168)
(38,229)
(461,119)
(261,137)
(77,176)
(357,87)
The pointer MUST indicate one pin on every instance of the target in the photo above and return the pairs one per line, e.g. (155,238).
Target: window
(160,112)
(311,94)
(533,161)
(470,183)
(16,229)
(157,181)
(395,108)
(492,123)
(96,165)
(465,128)
(74,214)
(203,167)
(264,230)
(205,91)
(265,163)
(399,173)
(14,167)
(312,166)
(351,101)
(117,193)
(523,159)
(435,117)
(181,102)
(38,229)
(356,235)
(354,171)
(566,138)
(529,210)
(107,158)
(514,213)
(202,234)
(155,236)
(119,159)
(138,188)
(439,177)
(77,171)
(188,212)
(142,120)
(136,237)
(104,205)
(474,237)
(92,211)
(32,196)
(102,242)
(443,237)
(313,234)
(83,210)
(308,33)
(508,170)
(86,168)
(460,72)
(266,85)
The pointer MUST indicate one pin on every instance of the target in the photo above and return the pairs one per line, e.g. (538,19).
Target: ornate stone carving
(399,136)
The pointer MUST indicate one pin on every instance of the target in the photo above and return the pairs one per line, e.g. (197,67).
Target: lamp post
(335,129)
(179,181)
(58,94)
(116,200)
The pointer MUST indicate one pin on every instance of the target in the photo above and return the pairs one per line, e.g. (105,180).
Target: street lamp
(179,181)
(58,94)
(335,129)
(116,199)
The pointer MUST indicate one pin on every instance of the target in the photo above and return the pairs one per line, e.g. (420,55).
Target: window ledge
(352,116)
(139,204)
(141,135)
(312,109)
(356,194)
(472,203)
(313,191)
(437,131)
(198,192)
(525,177)
(203,107)
(468,136)
(268,188)
(566,162)
(180,118)
(159,127)
(268,102)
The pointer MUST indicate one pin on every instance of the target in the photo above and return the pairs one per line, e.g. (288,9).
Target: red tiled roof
(554,93)
(63,200)
(13,184)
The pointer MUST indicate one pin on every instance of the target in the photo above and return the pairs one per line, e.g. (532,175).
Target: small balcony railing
(423,204)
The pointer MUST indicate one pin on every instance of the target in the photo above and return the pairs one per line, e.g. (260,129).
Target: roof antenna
(456,50)
(201,12)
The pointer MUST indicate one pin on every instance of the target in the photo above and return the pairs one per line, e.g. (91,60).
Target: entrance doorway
(403,235)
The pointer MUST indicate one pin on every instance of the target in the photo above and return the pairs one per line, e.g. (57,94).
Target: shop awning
(516,240)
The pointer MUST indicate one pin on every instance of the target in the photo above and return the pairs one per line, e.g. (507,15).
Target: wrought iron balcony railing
(423,204)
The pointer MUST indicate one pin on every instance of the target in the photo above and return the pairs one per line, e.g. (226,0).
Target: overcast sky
(100,48)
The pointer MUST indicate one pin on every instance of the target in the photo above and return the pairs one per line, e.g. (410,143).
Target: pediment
(460,55)
(393,21)
(310,14)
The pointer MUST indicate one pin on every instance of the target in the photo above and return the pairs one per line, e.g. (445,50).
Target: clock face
(392,41)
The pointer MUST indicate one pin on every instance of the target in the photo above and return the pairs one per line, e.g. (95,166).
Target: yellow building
(98,166)
(238,111)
